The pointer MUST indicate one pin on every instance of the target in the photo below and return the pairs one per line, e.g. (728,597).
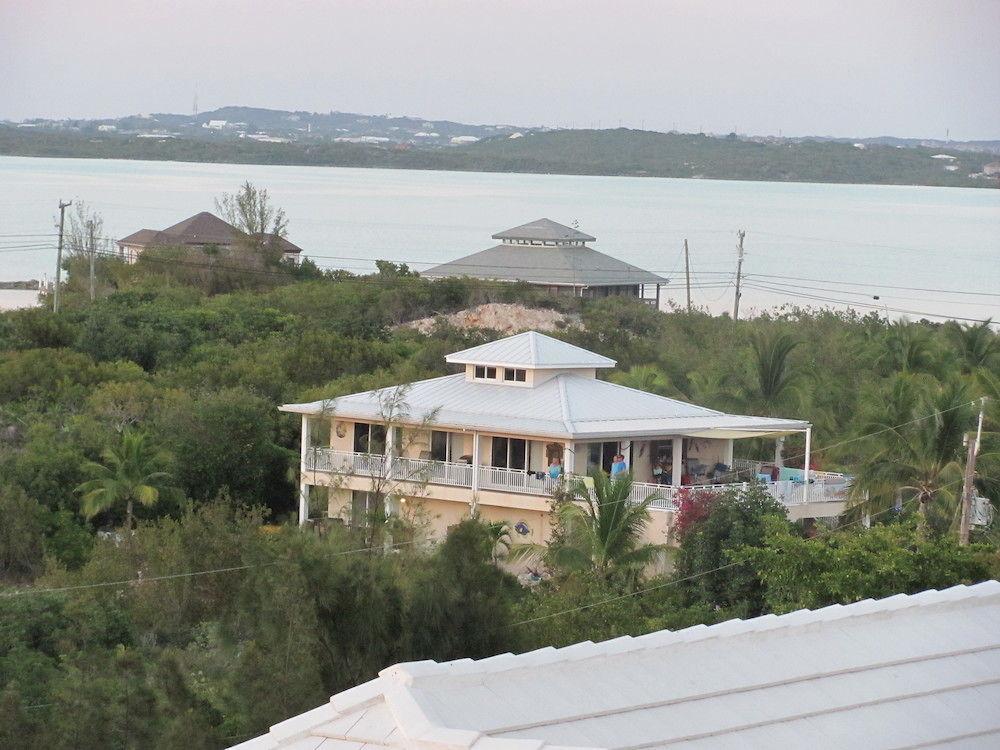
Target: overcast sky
(906,68)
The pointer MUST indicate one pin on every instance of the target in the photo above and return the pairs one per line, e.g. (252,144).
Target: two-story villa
(489,436)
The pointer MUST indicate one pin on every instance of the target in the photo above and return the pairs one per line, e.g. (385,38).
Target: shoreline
(537,173)
(603,158)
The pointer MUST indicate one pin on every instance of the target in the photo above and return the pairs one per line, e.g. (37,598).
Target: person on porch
(555,468)
(618,466)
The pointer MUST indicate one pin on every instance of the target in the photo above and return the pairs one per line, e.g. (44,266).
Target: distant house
(200,231)
(992,169)
(554,256)
(909,671)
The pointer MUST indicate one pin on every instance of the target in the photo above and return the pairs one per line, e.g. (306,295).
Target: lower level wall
(531,523)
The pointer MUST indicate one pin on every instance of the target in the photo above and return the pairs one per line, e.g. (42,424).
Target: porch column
(303,487)
(475,471)
(678,464)
(569,459)
(805,466)
(657,297)
(390,456)
(728,456)
(779,451)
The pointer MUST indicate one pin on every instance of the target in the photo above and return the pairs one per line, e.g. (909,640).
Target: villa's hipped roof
(566,406)
(544,230)
(907,671)
(531,350)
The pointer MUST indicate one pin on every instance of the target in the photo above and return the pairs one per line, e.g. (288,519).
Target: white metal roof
(566,406)
(530,350)
(907,671)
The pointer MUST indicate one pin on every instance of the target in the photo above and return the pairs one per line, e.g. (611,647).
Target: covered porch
(665,468)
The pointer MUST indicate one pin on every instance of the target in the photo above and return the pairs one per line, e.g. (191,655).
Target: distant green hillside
(637,152)
(590,152)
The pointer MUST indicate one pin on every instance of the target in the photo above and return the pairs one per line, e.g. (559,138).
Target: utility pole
(687,273)
(93,250)
(739,274)
(970,474)
(62,223)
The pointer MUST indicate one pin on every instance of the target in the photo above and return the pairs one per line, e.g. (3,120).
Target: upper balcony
(824,489)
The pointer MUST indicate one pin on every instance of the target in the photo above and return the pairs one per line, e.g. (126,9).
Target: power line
(870,284)
(852,303)
(191,574)
(868,294)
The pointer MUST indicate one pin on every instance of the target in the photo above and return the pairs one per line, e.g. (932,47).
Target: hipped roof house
(201,230)
(549,254)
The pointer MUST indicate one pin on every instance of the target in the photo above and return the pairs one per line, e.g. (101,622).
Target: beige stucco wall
(444,506)
(708,451)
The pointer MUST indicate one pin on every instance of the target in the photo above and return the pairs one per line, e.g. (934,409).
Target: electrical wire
(869,294)
(854,303)
(193,573)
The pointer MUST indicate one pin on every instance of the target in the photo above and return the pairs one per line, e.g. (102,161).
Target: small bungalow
(551,255)
(200,231)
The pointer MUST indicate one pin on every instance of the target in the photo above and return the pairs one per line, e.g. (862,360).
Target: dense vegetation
(158,400)
(586,152)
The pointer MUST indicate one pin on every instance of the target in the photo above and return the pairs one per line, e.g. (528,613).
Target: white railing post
(805,486)
(303,462)
(475,472)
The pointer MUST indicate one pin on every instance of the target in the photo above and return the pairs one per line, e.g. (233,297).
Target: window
(363,506)
(369,438)
(439,445)
(602,455)
(483,372)
(509,453)
(516,375)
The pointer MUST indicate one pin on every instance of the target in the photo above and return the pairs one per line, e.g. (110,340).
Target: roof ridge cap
(564,403)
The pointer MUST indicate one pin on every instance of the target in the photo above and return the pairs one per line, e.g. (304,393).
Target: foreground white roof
(531,350)
(566,406)
(902,672)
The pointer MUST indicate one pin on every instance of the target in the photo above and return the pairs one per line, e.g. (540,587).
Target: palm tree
(774,386)
(978,346)
(909,347)
(919,459)
(603,531)
(648,378)
(131,472)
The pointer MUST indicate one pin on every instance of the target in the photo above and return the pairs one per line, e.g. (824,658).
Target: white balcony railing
(825,487)
(435,472)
